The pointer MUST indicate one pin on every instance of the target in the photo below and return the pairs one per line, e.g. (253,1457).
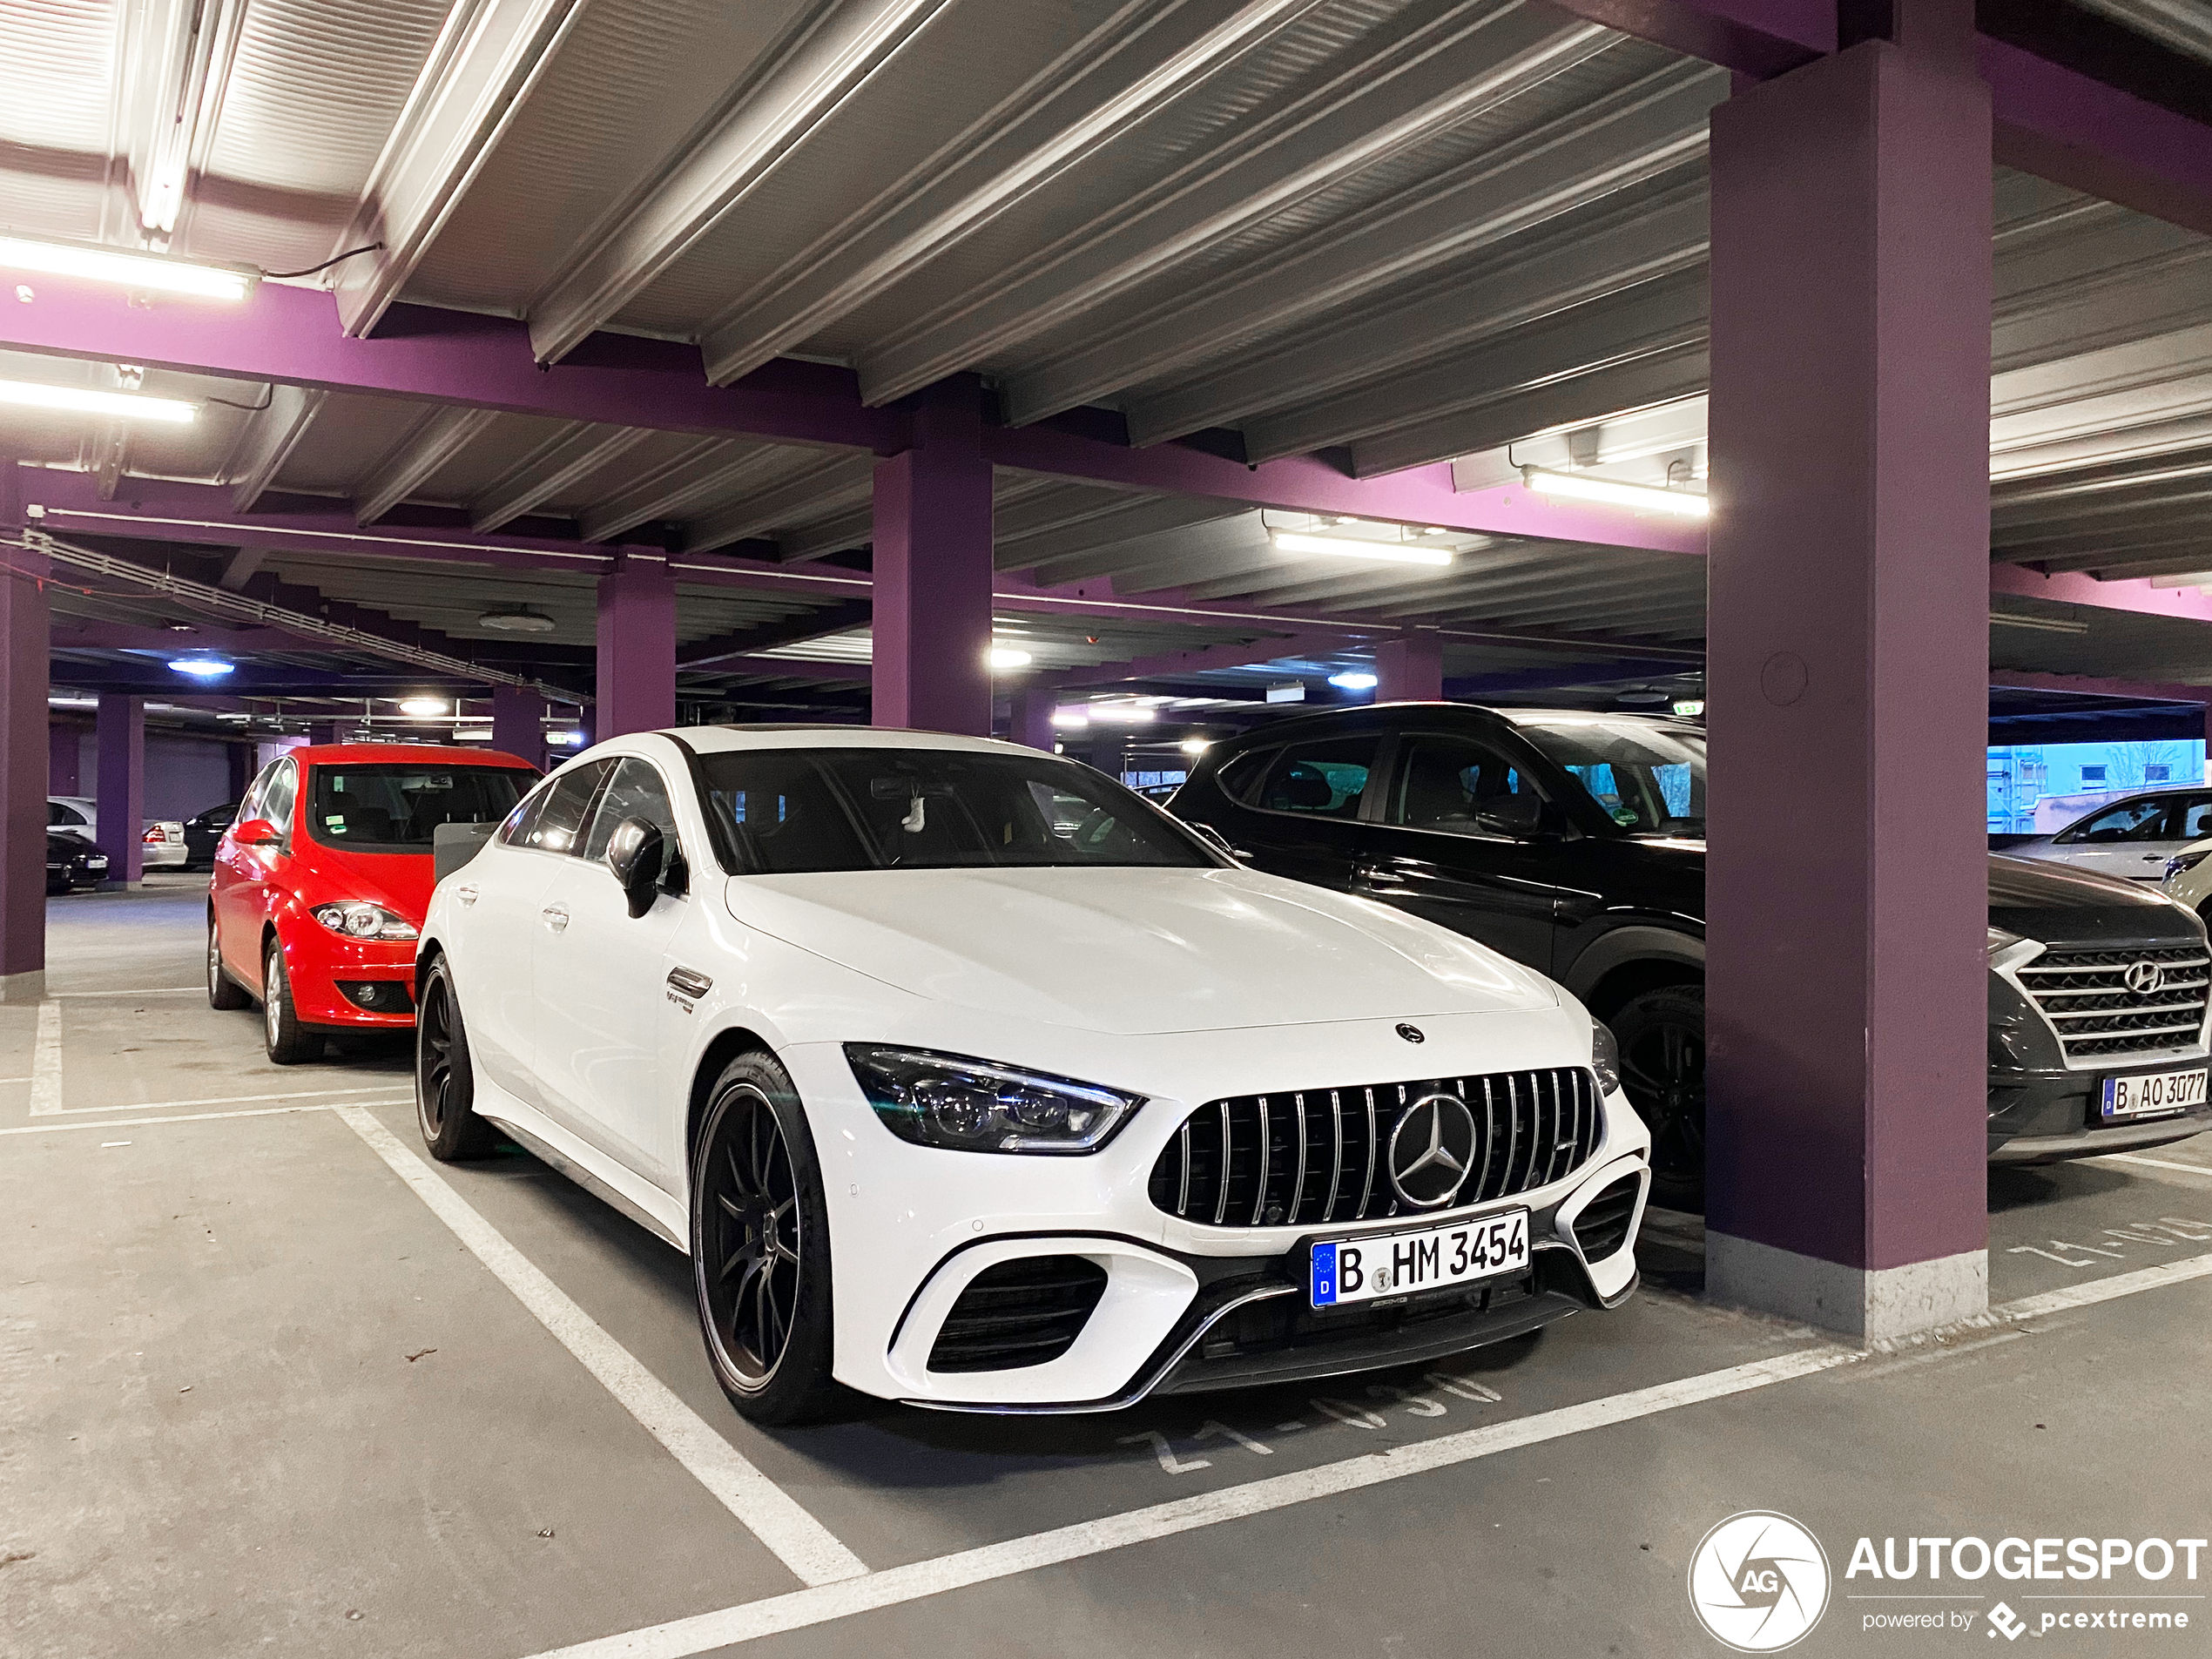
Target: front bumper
(322,968)
(2049,1116)
(1184,1307)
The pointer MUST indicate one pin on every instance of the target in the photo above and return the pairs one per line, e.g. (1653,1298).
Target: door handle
(556,916)
(467,895)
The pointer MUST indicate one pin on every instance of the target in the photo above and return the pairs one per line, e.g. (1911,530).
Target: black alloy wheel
(445,1082)
(760,1246)
(1662,1035)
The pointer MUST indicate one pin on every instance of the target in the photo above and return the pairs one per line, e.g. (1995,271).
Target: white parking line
(133,1122)
(384,1092)
(703,1633)
(2158,1164)
(801,1542)
(46,1061)
(152,990)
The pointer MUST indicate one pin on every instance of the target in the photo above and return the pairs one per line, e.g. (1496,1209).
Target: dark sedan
(203,831)
(73,862)
(1574,842)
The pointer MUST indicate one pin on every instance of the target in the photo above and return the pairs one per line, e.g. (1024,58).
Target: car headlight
(2188,860)
(1605,1057)
(966,1105)
(2000,939)
(358,918)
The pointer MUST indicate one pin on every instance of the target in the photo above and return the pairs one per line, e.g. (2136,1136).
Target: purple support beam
(1845,974)
(64,754)
(1029,720)
(25,618)
(636,689)
(519,724)
(1410,668)
(933,572)
(122,793)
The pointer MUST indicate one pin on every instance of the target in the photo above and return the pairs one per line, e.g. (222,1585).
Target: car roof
(1278,731)
(720,739)
(445,754)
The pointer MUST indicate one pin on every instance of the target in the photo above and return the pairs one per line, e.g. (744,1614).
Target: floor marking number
(1462,1387)
(1420,1405)
(1169,1462)
(1209,1429)
(1345,1412)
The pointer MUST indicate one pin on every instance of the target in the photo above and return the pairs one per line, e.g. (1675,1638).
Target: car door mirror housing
(1215,839)
(1519,816)
(635,854)
(256,832)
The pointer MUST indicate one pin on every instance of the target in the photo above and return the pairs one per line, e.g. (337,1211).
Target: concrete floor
(256,1395)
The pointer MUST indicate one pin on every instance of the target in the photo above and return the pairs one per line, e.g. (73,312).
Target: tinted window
(1462,787)
(58,814)
(1324,778)
(555,818)
(1649,779)
(793,810)
(394,808)
(635,791)
(2196,819)
(2132,821)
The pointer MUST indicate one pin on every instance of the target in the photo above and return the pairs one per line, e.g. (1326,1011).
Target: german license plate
(1359,1270)
(2150,1094)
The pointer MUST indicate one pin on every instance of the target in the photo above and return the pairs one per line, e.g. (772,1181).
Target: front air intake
(1025,1312)
(1603,1227)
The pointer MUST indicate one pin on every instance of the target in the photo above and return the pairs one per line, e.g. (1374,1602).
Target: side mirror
(1519,816)
(1219,842)
(635,853)
(256,832)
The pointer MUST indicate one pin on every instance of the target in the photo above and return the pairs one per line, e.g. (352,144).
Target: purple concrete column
(1410,668)
(63,746)
(1848,686)
(637,650)
(1031,721)
(122,794)
(518,723)
(932,570)
(321,731)
(24,621)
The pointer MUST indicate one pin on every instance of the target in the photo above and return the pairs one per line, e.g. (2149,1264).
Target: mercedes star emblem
(1411,1033)
(2145,978)
(1431,1149)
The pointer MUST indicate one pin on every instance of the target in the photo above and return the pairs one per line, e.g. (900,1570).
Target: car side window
(635,790)
(1462,787)
(2196,819)
(284,788)
(1324,777)
(249,805)
(559,826)
(58,814)
(2133,820)
(1241,775)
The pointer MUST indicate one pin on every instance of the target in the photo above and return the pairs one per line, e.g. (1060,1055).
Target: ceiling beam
(1437,67)
(837,618)
(823,490)
(479,76)
(429,444)
(844,43)
(270,437)
(1622,141)
(2068,588)
(560,464)
(1138,59)
(1242,654)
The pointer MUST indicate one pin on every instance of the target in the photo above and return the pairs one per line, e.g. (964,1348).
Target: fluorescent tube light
(2040,624)
(128,406)
(1353,681)
(1122,713)
(152,273)
(1070,717)
(202,668)
(1006,657)
(1396,552)
(1647,498)
(423,707)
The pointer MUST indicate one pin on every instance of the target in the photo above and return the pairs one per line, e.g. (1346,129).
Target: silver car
(79,815)
(2131,837)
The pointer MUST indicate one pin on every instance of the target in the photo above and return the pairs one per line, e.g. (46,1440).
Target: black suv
(1574,842)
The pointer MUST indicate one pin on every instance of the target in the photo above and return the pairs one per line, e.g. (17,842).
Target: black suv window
(1462,787)
(1324,777)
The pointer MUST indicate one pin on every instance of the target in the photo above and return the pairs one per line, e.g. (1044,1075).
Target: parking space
(264,1393)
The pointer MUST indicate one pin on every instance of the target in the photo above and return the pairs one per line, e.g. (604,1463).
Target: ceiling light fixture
(1074,718)
(423,707)
(516,619)
(1006,657)
(1396,552)
(1124,713)
(202,668)
(145,273)
(1354,679)
(1195,745)
(1643,498)
(2040,624)
(75,399)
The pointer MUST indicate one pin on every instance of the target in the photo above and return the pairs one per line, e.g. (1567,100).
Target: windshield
(797,810)
(1649,779)
(394,808)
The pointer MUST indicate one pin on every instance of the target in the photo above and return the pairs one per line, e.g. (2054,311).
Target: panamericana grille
(2085,996)
(1315,1155)
(1023,1313)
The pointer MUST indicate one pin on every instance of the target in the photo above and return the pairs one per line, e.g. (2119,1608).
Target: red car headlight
(358,918)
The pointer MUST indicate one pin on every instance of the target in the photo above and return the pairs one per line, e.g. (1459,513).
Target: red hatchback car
(321,883)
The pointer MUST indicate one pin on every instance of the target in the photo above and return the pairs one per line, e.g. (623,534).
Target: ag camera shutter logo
(1759,1581)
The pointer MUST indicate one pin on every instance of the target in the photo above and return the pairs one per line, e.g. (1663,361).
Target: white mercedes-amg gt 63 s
(969,1078)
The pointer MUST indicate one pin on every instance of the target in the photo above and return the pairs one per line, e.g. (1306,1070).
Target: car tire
(445,1080)
(288,1042)
(761,1247)
(1661,1036)
(223,991)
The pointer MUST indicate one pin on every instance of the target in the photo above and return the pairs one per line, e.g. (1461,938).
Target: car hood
(400,881)
(1136,951)
(2060,904)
